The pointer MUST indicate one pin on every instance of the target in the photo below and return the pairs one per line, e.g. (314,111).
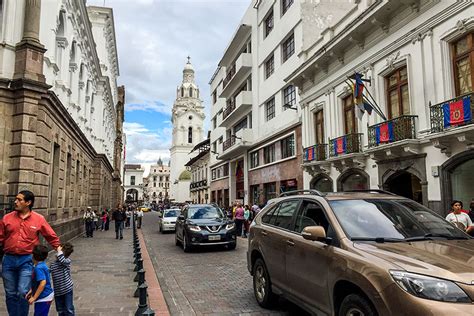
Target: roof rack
(295,192)
(372,190)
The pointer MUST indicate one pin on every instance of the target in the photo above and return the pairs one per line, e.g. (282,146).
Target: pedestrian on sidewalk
(107,220)
(103,220)
(89,222)
(62,281)
(96,220)
(18,247)
(239,218)
(128,214)
(41,294)
(139,218)
(119,216)
(247,220)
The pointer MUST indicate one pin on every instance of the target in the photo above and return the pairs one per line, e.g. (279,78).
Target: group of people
(243,216)
(27,280)
(91,221)
(122,218)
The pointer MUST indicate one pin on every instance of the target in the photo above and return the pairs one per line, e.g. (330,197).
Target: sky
(154,37)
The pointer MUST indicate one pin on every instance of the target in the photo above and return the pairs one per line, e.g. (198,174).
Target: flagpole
(375,103)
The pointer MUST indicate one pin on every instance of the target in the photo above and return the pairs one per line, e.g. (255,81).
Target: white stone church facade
(187,119)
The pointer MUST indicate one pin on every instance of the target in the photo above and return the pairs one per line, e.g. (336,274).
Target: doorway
(405,184)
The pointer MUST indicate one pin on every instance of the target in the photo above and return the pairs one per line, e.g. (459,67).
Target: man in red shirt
(19,234)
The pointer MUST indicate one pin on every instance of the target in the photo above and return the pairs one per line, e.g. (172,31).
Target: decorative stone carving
(392,59)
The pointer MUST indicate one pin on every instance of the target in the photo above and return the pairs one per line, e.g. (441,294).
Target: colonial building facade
(199,168)
(158,181)
(256,142)
(133,183)
(187,118)
(417,58)
(61,110)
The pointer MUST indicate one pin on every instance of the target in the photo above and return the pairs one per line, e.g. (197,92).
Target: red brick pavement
(156,299)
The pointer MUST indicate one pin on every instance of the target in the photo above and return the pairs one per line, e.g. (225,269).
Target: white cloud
(145,145)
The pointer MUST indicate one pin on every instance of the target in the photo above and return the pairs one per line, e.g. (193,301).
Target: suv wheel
(186,245)
(356,305)
(262,286)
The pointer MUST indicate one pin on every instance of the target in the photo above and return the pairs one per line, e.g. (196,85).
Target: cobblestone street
(210,281)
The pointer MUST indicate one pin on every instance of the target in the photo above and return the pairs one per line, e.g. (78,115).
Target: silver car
(167,220)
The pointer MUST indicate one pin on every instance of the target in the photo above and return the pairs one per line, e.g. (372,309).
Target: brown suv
(360,253)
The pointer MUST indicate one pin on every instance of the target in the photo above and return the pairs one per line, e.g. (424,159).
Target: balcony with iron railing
(452,114)
(237,108)
(237,72)
(237,144)
(317,152)
(346,144)
(391,131)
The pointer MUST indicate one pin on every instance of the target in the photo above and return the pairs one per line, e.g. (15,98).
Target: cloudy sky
(154,37)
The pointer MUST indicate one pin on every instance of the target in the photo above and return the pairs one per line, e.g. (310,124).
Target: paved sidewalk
(102,271)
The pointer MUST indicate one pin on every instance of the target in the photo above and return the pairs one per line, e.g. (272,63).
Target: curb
(155,295)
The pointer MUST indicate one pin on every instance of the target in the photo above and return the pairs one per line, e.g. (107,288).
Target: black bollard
(137,257)
(137,249)
(141,280)
(149,312)
(139,265)
(142,302)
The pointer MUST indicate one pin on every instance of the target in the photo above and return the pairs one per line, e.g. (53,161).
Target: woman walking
(247,220)
(89,221)
(239,218)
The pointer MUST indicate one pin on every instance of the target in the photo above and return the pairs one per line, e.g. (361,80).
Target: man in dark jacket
(119,217)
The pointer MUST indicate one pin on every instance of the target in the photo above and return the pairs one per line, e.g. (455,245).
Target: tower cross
(189,59)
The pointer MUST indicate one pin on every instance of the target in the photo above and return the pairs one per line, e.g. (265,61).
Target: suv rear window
(281,215)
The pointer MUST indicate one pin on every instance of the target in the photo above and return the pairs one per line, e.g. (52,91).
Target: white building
(133,183)
(188,120)
(256,127)
(199,168)
(418,59)
(158,182)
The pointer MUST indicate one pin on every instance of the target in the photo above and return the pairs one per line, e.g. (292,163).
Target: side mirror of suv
(315,233)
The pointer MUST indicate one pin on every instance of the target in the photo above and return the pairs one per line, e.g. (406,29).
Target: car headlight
(429,287)
(166,222)
(230,226)
(194,228)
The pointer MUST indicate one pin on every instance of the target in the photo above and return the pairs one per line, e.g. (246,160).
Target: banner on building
(339,145)
(457,112)
(384,133)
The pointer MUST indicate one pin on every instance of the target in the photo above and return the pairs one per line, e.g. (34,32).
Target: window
(269,66)
(463,62)
(288,47)
(225,170)
(214,97)
(397,93)
(190,135)
(289,96)
(214,123)
(214,147)
(268,23)
(53,193)
(349,115)
(269,153)
(269,190)
(282,215)
(132,180)
(154,184)
(242,124)
(287,146)
(285,5)
(319,126)
(182,92)
(221,139)
(154,178)
(254,159)
(270,109)
(213,173)
(191,92)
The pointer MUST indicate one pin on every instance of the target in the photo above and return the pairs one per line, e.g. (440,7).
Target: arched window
(353,180)
(190,135)
(322,183)
(60,40)
(191,92)
(182,92)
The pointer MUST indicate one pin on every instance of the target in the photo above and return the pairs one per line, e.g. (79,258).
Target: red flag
(384,133)
(456,112)
(340,145)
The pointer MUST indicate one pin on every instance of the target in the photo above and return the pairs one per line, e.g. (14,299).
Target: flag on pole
(384,133)
(457,112)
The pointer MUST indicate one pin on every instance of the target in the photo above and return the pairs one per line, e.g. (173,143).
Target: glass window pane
(355,181)
(461,46)
(464,75)
(405,100)
(462,182)
(403,74)
(394,104)
(392,80)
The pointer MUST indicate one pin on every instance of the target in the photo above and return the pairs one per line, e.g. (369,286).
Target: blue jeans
(118,229)
(64,305)
(17,271)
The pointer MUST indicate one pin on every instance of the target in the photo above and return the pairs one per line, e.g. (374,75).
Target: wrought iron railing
(441,121)
(347,144)
(230,74)
(230,107)
(400,128)
(315,153)
(228,143)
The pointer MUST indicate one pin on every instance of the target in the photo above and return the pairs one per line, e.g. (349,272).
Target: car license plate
(214,237)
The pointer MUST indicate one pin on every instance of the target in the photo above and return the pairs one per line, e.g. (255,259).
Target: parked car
(204,225)
(167,220)
(360,253)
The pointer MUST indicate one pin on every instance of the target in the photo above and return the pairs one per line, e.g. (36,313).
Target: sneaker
(121,237)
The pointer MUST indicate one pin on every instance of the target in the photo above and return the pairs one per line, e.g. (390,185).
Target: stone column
(29,51)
